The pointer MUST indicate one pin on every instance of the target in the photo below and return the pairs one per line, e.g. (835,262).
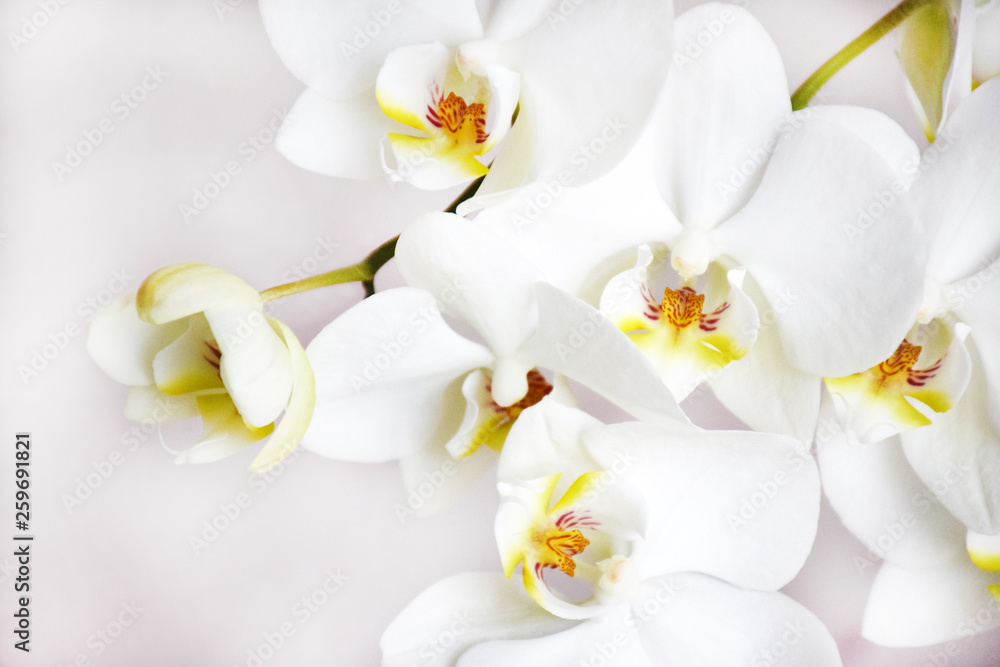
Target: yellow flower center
(454,115)
(558,549)
(682,307)
(557,545)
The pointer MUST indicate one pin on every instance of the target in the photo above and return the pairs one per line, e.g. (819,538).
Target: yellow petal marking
(495,420)
(665,328)
(894,379)
(985,560)
(456,129)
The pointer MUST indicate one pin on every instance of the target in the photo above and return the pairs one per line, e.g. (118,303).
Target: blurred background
(137,561)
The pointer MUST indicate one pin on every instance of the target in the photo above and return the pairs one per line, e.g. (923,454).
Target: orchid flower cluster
(650,214)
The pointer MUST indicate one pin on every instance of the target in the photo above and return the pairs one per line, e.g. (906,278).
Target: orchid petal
(480,425)
(123,346)
(958,190)
(704,621)
(149,405)
(933,59)
(191,362)
(298,414)
(224,432)
(485,422)
(900,394)
(180,290)
(882,501)
(763,389)
(484,605)
(625,50)
(546,440)
(738,505)
(986,46)
(336,137)
(433,475)
(592,520)
(608,637)
(721,110)
(575,233)
(407,82)
(879,132)
(923,606)
(428,164)
(974,300)
(255,365)
(460,117)
(958,456)
(686,346)
(797,238)
(510,19)
(482,279)
(390,354)
(576,340)
(338,48)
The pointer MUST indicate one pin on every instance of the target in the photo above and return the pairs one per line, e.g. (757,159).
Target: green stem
(349,274)
(364,271)
(877,31)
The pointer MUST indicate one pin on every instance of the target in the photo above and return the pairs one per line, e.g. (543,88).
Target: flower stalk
(365,270)
(877,31)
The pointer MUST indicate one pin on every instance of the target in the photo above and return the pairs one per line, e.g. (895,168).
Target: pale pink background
(62,244)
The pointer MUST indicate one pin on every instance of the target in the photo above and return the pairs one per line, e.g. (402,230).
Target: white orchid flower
(936,581)
(194,341)
(941,388)
(423,91)
(631,542)
(727,179)
(395,354)
(947,48)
